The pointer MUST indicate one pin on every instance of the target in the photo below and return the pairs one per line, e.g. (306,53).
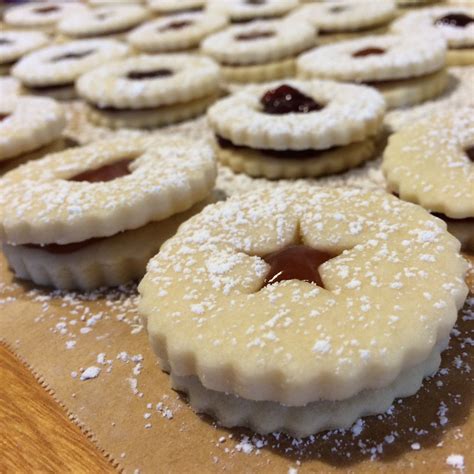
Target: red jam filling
(155,74)
(253,35)
(4,116)
(286,99)
(176,25)
(372,51)
(105,173)
(296,262)
(44,10)
(470,153)
(72,55)
(458,20)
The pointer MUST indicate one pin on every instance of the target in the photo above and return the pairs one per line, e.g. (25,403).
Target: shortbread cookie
(103,21)
(28,123)
(166,7)
(344,16)
(14,44)
(284,298)
(455,23)
(268,417)
(298,115)
(9,86)
(81,265)
(42,15)
(247,10)
(388,61)
(260,51)
(55,68)
(166,87)
(431,163)
(176,32)
(66,219)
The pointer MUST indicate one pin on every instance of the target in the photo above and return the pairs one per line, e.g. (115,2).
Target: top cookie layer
(174,6)
(64,63)
(260,41)
(348,113)
(41,203)
(346,15)
(244,10)
(390,295)
(375,58)
(432,19)
(427,163)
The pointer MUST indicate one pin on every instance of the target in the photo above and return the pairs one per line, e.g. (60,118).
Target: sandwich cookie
(169,7)
(149,91)
(52,71)
(260,51)
(406,69)
(94,215)
(297,129)
(431,163)
(299,309)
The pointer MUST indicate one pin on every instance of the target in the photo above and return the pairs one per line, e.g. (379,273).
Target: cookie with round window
(297,129)
(300,309)
(94,215)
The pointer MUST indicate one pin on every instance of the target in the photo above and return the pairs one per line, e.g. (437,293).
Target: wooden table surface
(36,434)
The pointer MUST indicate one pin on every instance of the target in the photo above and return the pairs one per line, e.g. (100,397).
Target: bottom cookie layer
(460,57)
(148,118)
(407,92)
(266,417)
(463,230)
(275,165)
(108,261)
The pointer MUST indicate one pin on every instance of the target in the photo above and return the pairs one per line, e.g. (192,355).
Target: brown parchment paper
(140,423)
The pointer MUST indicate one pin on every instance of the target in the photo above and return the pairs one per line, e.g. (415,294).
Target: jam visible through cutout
(286,99)
(470,153)
(155,74)
(5,41)
(458,20)
(253,35)
(109,172)
(371,51)
(256,2)
(4,116)
(296,262)
(176,25)
(44,10)
(72,55)
(338,9)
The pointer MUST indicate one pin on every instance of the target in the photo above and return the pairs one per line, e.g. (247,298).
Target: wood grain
(35,432)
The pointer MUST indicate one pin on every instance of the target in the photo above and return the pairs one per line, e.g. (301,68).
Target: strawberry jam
(296,262)
(286,99)
(105,173)
(368,52)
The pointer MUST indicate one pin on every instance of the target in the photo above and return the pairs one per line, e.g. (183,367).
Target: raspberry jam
(286,99)
(176,25)
(470,153)
(296,262)
(458,20)
(155,74)
(253,35)
(44,10)
(72,55)
(105,173)
(4,116)
(372,51)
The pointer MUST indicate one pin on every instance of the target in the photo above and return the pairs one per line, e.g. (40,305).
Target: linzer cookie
(148,91)
(297,129)
(53,70)
(40,15)
(94,215)
(432,163)
(405,69)
(241,11)
(455,23)
(302,309)
(167,7)
(345,19)
(15,44)
(261,50)
(178,32)
(103,21)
